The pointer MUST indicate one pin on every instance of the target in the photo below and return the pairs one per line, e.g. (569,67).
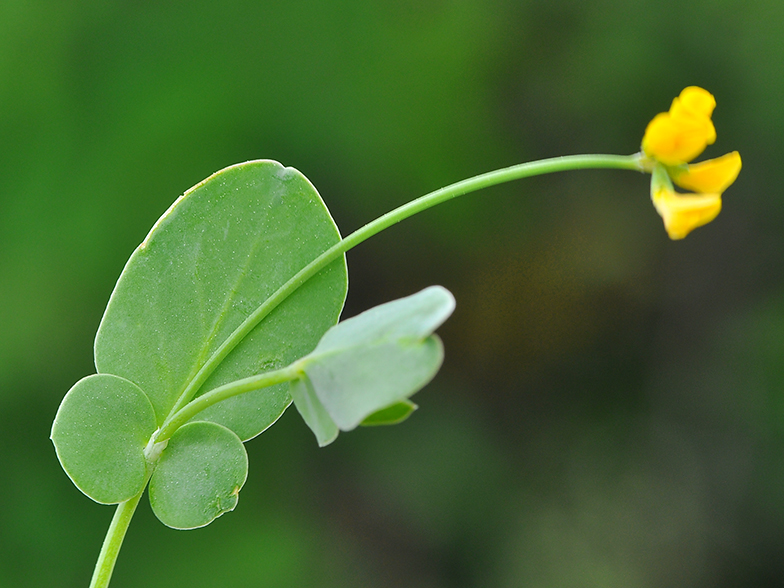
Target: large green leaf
(100,432)
(199,476)
(219,252)
(374,361)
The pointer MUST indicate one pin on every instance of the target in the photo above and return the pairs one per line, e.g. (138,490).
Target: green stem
(186,413)
(516,172)
(113,541)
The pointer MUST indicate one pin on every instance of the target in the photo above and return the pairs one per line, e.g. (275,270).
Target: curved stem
(185,409)
(515,172)
(186,413)
(113,541)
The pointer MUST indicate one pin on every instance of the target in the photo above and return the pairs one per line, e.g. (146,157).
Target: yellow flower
(671,140)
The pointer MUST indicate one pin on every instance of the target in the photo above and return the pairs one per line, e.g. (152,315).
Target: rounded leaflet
(100,432)
(199,475)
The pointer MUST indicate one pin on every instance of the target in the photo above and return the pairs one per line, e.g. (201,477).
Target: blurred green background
(611,409)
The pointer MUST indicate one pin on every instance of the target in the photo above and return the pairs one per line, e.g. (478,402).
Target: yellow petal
(659,135)
(698,101)
(692,122)
(680,135)
(713,175)
(684,213)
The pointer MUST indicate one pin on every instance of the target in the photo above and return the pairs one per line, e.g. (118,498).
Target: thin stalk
(113,541)
(515,172)
(257,382)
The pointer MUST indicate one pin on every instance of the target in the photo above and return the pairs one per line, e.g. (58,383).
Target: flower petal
(698,101)
(713,175)
(681,134)
(682,214)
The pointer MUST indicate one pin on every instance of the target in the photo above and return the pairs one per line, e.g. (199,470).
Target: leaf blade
(410,318)
(353,385)
(199,476)
(312,411)
(219,252)
(100,431)
(391,415)
(379,357)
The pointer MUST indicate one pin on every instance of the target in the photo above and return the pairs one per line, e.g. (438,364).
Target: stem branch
(500,176)
(187,412)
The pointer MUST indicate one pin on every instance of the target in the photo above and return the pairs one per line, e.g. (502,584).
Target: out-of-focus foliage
(611,409)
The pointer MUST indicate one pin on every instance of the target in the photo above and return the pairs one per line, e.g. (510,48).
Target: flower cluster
(673,139)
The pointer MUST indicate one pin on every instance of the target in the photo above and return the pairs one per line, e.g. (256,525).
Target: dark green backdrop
(611,409)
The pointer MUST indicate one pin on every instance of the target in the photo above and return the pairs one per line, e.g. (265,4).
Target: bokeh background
(611,409)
